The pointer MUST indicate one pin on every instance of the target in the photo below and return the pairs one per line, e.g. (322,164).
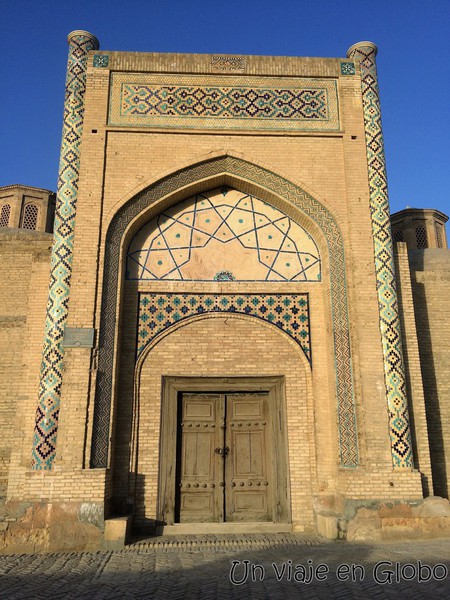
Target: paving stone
(200,568)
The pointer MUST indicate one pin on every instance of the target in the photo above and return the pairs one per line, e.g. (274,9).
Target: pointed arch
(253,179)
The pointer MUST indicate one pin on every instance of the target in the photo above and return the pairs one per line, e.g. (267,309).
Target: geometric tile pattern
(46,422)
(145,100)
(348,68)
(222,102)
(100,60)
(399,428)
(228,63)
(227,229)
(275,186)
(288,312)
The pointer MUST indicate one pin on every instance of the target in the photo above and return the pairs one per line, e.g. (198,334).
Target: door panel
(224,458)
(200,479)
(248,473)
(248,453)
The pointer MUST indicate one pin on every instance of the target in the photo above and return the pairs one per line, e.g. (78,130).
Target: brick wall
(430,271)
(411,356)
(24,272)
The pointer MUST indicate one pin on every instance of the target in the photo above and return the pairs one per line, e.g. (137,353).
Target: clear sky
(413,69)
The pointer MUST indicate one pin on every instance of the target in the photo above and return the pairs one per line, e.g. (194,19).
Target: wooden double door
(224,458)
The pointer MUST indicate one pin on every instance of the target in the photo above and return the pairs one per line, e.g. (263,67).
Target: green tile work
(47,414)
(288,312)
(225,102)
(394,372)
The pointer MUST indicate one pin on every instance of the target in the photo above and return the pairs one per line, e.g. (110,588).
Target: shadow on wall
(427,260)
(142,526)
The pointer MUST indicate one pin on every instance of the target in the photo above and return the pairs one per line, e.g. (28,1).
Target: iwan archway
(200,250)
(297,204)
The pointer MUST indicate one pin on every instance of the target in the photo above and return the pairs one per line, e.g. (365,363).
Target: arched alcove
(246,381)
(280,194)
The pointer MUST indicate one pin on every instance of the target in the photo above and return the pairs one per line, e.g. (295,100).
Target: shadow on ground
(325,570)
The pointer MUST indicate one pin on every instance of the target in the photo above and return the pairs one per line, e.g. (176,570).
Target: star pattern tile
(223,230)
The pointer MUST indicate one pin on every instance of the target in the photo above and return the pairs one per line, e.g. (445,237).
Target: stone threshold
(217,528)
(201,542)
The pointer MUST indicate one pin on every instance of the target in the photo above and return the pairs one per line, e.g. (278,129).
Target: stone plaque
(78,337)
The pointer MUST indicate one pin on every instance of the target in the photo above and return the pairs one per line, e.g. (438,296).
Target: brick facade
(159,129)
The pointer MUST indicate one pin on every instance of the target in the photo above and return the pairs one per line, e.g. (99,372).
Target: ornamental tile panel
(288,312)
(223,231)
(223,102)
(100,60)
(348,68)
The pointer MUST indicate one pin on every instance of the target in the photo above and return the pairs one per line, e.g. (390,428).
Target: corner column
(394,372)
(47,413)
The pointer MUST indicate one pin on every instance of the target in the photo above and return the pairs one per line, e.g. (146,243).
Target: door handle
(222,451)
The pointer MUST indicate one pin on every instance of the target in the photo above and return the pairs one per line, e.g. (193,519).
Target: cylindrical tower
(46,424)
(399,429)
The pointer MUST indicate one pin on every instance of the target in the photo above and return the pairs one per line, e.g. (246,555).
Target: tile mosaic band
(226,102)
(394,372)
(46,422)
(288,312)
(228,63)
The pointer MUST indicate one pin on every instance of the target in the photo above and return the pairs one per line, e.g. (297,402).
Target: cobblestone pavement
(283,566)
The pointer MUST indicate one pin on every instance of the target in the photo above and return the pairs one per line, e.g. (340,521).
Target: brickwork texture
(291,138)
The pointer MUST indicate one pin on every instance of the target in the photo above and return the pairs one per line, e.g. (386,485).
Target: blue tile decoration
(399,429)
(224,276)
(348,68)
(189,241)
(47,414)
(223,101)
(274,185)
(100,60)
(288,312)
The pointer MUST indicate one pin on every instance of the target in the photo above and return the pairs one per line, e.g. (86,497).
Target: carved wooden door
(200,468)
(224,465)
(248,488)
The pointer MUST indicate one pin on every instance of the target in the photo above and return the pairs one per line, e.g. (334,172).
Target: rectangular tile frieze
(288,312)
(223,102)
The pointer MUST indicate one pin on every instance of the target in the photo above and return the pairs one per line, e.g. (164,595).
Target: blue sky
(413,69)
